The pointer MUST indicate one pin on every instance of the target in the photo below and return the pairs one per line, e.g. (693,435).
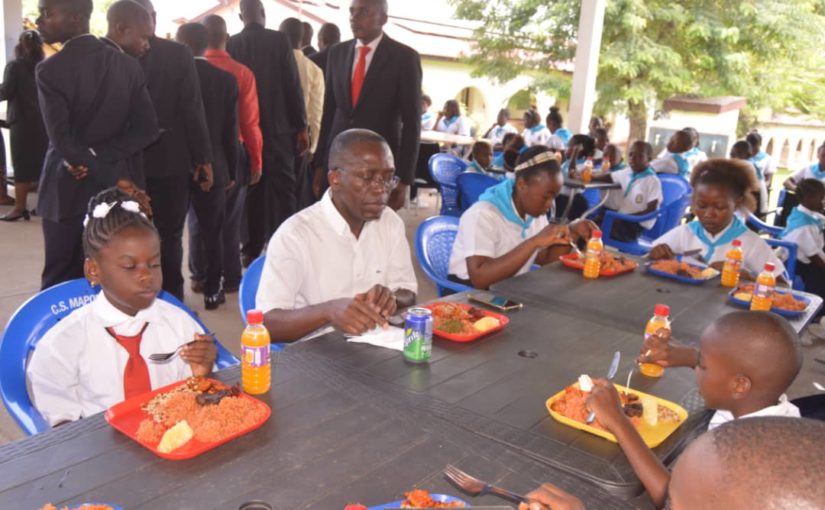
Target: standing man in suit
(373,82)
(328,35)
(183,153)
(208,209)
(249,160)
(283,124)
(97,114)
(306,39)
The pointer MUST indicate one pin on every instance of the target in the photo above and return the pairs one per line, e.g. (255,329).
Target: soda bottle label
(255,357)
(734,264)
(762,291)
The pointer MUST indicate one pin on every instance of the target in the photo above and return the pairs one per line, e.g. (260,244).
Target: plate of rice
(187,418)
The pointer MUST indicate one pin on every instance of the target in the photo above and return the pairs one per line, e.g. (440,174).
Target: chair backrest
(249,286)
(763,227)
(445,169)
(28,325)
(675,201)
(470,186)
(433,246)
(790,263)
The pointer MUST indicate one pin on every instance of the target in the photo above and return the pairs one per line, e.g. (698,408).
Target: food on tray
(683,269)
(782,301)
(572,405)
(610,262)
(355,507)
(420,498)
(203,409)
(455,319)
(49,506)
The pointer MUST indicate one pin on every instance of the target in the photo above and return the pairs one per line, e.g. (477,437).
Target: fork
(476,487)
(166,356)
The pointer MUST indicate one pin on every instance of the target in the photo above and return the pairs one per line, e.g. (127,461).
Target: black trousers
(814,279)
(170,203)
(273,199)
(207,213)
(64,251)
(230,241)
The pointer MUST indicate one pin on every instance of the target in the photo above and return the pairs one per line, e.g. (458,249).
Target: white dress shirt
(538,137)
(483,231)
(665,165)
(644,190)
(808,239)
(368,59)
(77,367)
(756,251)
(805,173)
(498,132)
(312,83)
(784,408)
(314,257)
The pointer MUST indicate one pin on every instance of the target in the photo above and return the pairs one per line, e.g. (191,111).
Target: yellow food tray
(652,436)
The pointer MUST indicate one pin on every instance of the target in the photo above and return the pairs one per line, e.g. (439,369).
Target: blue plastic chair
(249,289)
(762,227)
(470,186)
(675,201)
(790,263)
(445,169)
(433,246)
(28,325)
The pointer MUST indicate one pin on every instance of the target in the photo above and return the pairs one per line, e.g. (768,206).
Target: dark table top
(580,184)
(332,440)
(627,300)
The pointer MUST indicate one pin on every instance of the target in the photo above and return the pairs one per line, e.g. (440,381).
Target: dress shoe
(16,216)
(196,286)
(214,301)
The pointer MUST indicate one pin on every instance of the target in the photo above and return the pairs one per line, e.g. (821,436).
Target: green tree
(768,51)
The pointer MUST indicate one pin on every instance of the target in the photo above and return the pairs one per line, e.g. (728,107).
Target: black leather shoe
(214,301)
(14,217)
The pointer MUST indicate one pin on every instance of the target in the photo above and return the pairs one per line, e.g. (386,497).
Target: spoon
(611,373)
(627,386)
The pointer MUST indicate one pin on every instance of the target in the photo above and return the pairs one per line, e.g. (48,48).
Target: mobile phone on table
(498,302)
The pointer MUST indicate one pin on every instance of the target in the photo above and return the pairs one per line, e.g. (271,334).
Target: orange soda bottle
(733,263)
(587,171)
(592,261)
(762,299)
(255,370)
(660,320)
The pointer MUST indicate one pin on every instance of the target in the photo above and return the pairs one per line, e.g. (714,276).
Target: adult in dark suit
(283,124)
(306,39)
(183,152)
(328,35)
(97,113)
(28,134)
(208,211)
(389,99)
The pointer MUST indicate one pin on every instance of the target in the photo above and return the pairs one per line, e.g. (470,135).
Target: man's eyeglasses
(377,181)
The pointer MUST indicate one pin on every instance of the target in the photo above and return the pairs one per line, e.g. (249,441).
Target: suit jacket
(97,113)
(320,59)
(308,50)
(390,101)
(220,102)
(176,94)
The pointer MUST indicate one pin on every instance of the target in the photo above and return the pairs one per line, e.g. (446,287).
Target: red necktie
(136,375)
(360,72)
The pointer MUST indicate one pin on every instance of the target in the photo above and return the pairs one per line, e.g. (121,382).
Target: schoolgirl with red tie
(98,355)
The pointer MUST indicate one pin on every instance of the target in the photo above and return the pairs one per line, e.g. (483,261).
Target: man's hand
(200,355)
(550,497)
(663,350)
(382,299)
(255,176)
(582,229)
(303,142)
(353,316)
(230,186)
(140,196)
(660,252)
(553,235)
(605,402)
(204,176)
(78,172)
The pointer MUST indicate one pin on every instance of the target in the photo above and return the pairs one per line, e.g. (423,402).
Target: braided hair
(99,231)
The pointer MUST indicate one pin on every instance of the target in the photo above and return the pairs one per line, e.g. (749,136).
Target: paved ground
(23,258)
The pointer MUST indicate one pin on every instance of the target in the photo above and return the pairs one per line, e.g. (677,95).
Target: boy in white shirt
(500,129)
(804,227)
(96,357)
(482,160)
(813,171)
(675,160)
(427,118)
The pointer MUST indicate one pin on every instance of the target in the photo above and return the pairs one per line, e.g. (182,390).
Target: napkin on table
(390,338)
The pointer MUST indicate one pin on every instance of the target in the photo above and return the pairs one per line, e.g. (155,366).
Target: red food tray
(502,319)
(572,260)
(127,415)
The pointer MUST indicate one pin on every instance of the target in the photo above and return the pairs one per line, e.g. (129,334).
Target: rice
(150,431)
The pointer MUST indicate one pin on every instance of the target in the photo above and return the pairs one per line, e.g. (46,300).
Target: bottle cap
(769,267)
(255,317)
(597,234)
(661,310)
(736,243)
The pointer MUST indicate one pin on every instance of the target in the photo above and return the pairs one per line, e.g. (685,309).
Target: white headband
(102,210)
(538,159)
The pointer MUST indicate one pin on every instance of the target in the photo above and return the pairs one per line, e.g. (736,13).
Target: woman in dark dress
(29,140)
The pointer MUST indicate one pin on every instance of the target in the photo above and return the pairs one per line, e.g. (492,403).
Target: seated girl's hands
(548,496)
(582,230)
(200,355)
(605,402)
(661,349)
(553,235)
(660,252)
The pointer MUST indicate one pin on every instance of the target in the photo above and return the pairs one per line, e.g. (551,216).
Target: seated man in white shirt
(345,261)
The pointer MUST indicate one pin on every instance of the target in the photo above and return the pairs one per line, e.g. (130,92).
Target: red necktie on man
(360,72)
(136,374)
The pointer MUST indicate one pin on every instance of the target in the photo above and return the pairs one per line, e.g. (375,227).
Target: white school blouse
(756,251)
(460,127)
(808,239)
(540,137)
(498,132)
(314,257)
(77,367)
(644,191)
(483,231)
(805,173)
(783,408)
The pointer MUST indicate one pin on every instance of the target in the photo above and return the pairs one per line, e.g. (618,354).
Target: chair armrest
(634,218)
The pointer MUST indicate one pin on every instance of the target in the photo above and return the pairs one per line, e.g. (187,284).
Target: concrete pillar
(12,18)
(583,94)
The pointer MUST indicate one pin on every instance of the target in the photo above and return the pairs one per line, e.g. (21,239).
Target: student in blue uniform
(536,133)
(578,150)
(804,227)
(760,158)
(482,160)
(555,123)
(500,129)
(614,158)
(427,117)
(675,160)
